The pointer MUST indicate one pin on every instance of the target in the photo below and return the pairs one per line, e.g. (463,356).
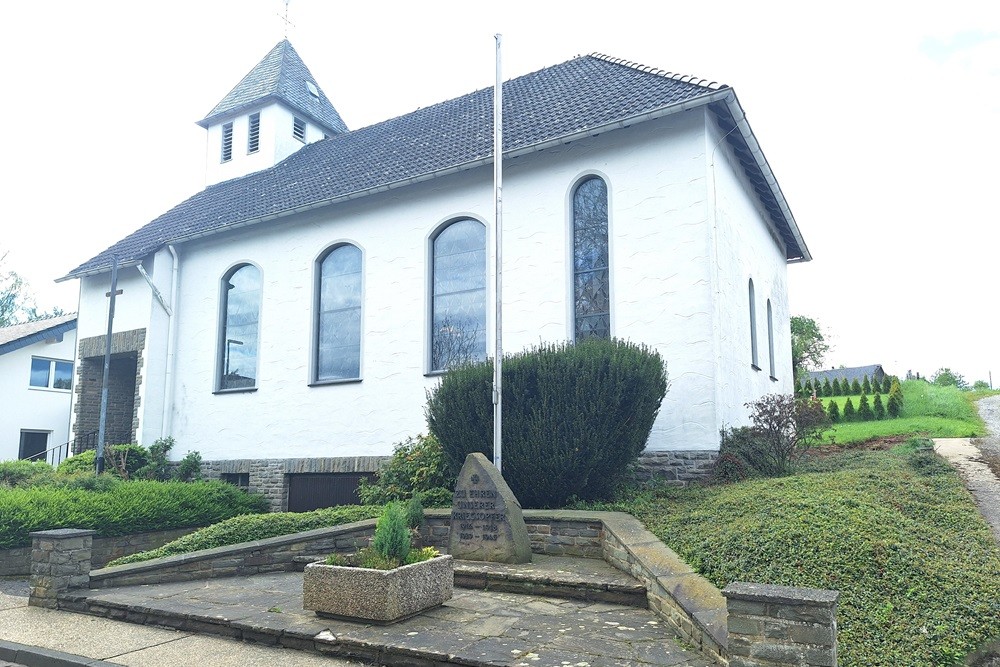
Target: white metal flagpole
(498,263)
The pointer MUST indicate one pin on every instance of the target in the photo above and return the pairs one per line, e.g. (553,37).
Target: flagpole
(498,263)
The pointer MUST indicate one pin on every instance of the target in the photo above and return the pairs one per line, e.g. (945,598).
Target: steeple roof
(280,76)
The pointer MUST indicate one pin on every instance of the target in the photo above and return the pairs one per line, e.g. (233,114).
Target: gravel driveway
(989,410)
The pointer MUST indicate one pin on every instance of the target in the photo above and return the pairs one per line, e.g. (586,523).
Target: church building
(287,320)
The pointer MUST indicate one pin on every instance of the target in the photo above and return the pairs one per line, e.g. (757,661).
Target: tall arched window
(239,332)
(338,314)
(753,328)
(458,294)
(591,279)
(770,338)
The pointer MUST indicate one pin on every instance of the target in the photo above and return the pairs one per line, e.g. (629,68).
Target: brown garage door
(311,491)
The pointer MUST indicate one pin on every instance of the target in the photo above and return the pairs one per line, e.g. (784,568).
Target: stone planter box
(378,596)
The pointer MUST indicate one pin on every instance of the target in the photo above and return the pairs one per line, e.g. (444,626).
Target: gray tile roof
(21,335)
(281,75)
(578,98)
(858,373)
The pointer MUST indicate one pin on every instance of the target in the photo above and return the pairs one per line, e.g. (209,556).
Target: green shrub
(157,460)
(415,512)
(392,537)
(121,509)
(855,388)
(82,462)
(783,428)
(895,405)
(574,416)
(799,388)
(850,414)
(417,466)
(887,384)
(878,408)
(865,413)
(23,473)
(833,412)
(189,468)
(835,387)
(730,467)
(866,386)
(252,527)
(124,460)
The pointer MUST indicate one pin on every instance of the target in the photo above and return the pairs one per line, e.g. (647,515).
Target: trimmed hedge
(120,508)
(574,416)
(250,527)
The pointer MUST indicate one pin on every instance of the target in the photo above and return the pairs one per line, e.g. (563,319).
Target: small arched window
(239,332)
(770,338)
(591,277)
(753,328)
(338,314)
(458,294)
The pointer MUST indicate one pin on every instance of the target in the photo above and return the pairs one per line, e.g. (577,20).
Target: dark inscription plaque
(486,520)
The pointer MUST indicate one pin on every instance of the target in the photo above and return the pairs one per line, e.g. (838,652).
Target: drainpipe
(168,381)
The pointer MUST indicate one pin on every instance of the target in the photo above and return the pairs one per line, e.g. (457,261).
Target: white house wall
(33,408)
(660,285)
(746,248)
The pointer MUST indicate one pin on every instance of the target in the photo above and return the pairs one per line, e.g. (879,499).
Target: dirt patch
(875,445)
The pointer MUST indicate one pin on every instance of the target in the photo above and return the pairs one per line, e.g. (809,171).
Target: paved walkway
(980,480)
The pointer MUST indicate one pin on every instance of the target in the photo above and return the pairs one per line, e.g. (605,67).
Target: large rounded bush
(574,416)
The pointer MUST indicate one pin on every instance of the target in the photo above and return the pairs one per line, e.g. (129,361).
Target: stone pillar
(771,626)
(60,560)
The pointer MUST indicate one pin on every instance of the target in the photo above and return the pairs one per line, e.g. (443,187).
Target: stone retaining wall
(676,468)
(549,535)
(17,562)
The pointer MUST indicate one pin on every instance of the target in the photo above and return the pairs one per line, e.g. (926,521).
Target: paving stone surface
(474,627)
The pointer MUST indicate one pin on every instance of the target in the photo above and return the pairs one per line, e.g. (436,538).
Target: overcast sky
(882,127)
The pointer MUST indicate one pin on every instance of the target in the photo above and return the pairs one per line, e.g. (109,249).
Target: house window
(591,278)
(299,129)
(338,314)
(240,328)
(458,295)
(770,340)
(51,374)
(239,479)
(227,142)
(753,329)
(253,135)
(33,445)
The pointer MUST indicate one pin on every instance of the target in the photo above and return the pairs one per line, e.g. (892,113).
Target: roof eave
(261,102)
(38,336)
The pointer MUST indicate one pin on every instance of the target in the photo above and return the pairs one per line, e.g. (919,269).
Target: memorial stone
(486,519)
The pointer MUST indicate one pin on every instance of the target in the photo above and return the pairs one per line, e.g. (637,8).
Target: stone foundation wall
(17,562)
(676,468)
(549,534)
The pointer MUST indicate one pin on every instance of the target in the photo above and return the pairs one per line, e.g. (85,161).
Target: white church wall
(33,408)
(656,178)
(745,249)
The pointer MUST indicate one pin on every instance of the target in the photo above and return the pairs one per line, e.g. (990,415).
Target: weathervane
(285,18)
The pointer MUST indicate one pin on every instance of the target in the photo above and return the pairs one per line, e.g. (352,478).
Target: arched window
(753,328)
(240,328)
(770,338)
(591,279)
(338,314)
(458,294)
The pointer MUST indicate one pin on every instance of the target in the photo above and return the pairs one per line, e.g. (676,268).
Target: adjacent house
(36,382)
(873,372)
(287,320)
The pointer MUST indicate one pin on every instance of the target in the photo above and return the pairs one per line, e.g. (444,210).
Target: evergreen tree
(799,389)
(833,411)
(827,388)
(894,407)
(866,386)
(886,384)
(855,388)
(865,413)
(836,387)
(849,413)
(878,408)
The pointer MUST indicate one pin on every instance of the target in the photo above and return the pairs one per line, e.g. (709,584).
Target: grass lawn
(929,410)
(895,531)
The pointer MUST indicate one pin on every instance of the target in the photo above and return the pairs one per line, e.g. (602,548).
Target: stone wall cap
(63,532)
(740,590)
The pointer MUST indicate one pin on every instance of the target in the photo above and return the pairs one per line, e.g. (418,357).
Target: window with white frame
(591,276)
(51,374)
(227,142)
(239,330)
(338,314)
(253,133)
(458,294)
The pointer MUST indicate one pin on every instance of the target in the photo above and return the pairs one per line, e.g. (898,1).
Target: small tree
(865,413)
(980,385)
(392,536)
(945,377)
(878,408)
(866,386)
(894,407)
(833,412)
(855,388)
(886,384)
(850,414)
(799,389)
(835,386)
(783,429)
(827,388)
